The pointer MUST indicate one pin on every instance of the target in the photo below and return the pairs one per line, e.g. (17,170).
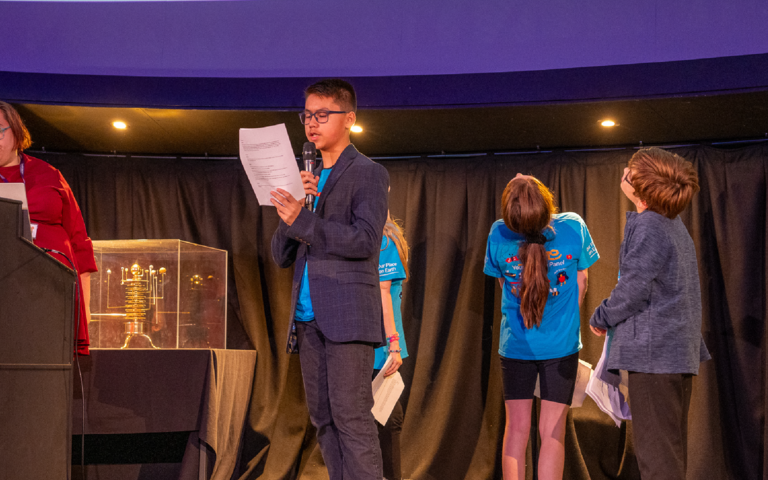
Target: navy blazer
(340,243)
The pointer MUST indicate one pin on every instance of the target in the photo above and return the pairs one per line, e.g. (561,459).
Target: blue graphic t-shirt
(304,311)
(390,268)
(569,248)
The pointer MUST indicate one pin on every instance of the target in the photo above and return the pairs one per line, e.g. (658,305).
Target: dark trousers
(337,383)
(389,440)
(659,405)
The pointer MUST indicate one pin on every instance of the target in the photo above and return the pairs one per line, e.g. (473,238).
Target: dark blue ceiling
(669,79)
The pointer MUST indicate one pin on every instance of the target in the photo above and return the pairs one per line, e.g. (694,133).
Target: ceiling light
(119,125)
(356,129)
(608,123)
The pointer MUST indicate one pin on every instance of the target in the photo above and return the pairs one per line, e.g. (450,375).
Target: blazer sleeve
(72,221)
(647,253)
(361,238)
(284,248)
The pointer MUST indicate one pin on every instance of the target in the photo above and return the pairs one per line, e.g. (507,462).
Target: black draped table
(161,413)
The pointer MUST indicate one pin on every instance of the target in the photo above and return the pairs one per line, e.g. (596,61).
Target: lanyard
(21,171)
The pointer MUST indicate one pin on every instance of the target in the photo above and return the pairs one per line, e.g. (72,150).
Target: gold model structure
(141,294)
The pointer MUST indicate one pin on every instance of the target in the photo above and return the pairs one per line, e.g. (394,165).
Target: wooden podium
(37,295)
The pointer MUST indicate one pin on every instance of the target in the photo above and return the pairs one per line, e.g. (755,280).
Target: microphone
(309,155)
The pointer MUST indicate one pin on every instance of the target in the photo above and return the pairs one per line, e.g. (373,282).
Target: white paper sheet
(14,191)
(583,375)
(386,392)
(269,162)
(582,380)
(17,191)
(608,390)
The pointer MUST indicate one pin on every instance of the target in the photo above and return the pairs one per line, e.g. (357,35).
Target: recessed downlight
(608,123)
(356,129)
(119,125)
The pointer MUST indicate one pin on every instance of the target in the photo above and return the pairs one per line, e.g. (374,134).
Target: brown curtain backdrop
(454,410)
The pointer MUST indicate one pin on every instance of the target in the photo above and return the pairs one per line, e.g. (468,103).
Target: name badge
(33,227)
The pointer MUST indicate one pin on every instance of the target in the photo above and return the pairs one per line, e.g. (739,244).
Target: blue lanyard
(21,171)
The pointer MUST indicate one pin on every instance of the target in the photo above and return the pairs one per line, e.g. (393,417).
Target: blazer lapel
(318,168)
(344,162)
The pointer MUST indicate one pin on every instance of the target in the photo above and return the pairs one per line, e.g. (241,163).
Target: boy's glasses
(321,116)
(627,179)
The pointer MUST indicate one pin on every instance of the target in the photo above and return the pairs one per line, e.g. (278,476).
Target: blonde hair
(394,232)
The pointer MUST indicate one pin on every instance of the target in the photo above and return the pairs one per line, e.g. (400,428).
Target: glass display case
(158,294)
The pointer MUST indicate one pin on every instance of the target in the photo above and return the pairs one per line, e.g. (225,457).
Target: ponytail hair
(527,207)
(393,232)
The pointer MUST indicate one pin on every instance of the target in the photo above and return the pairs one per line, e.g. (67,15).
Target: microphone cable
(77,359)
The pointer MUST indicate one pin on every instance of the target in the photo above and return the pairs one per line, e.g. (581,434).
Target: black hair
(341,91)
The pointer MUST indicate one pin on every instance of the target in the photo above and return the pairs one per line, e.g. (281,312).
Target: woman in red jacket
(56,220)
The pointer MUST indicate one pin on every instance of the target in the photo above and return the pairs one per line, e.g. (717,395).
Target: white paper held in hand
(608,390)
(269,162)
(386,392)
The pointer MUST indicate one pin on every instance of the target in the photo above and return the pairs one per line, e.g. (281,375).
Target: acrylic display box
(158,294)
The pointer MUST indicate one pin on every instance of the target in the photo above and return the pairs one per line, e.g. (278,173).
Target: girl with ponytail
(541,259)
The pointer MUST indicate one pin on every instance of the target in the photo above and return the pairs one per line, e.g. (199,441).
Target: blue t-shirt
(391,269)
(304,311)
(569,248)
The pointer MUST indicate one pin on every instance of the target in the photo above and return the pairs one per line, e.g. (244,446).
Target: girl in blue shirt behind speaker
(393,271)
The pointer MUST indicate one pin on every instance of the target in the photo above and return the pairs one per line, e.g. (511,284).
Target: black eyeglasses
(2,132)
(626,179)
(321,116)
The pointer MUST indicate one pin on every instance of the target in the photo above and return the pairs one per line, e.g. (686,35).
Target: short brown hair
(20,132)
(340,91)
(663,180)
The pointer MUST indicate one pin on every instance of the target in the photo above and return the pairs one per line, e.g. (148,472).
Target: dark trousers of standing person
(659,405)
(389,440)
(337,384)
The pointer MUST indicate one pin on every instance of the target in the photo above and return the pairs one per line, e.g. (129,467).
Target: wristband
(395,350)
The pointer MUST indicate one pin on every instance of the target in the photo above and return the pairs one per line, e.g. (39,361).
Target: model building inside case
(158,294)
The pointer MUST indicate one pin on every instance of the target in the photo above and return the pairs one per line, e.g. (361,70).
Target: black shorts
(557,378)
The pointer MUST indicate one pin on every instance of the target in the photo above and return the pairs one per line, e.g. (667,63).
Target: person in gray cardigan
(653,316)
